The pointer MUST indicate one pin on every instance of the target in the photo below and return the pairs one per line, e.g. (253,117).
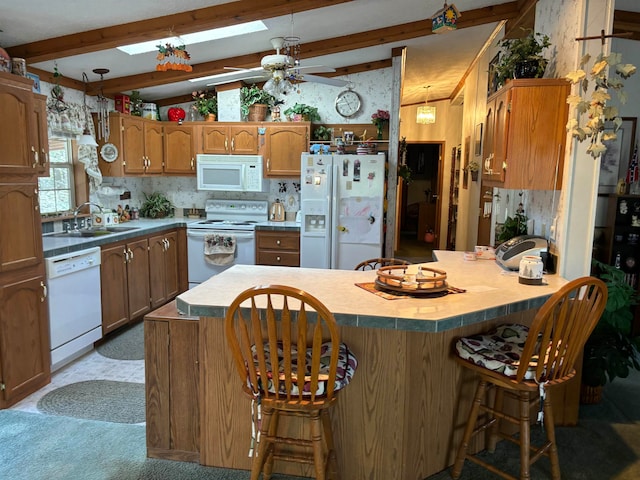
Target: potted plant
(595,105)
(521,57)
(156,205)
(322,133)
(300,111)
(512,227)
(473,168)
(206,104)
(255,103)
(611,350)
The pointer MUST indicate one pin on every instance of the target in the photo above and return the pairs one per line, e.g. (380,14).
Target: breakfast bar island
(402,415)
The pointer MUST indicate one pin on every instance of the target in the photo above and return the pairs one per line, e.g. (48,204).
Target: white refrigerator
(342,209)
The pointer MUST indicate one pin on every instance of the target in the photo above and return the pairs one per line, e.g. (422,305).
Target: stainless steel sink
(92,232)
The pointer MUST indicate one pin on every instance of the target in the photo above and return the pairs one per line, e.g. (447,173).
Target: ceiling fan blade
(336,82)
(244,74)
(314,68)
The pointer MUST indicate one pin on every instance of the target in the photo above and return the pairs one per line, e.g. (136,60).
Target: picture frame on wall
(615,161)
(465,168)
(36,82)
(492,82)
(478,140)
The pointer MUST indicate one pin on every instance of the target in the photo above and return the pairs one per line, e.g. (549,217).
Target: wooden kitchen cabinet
(172,384)
(140,146)
(229,138)
(282,147)
(21,243)
(179,149)
(20,136)
(124,277)
(280,248)
(163,268)
(25,358)
(525,135)
(42,132)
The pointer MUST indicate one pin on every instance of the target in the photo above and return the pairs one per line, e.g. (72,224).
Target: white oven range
(235,218)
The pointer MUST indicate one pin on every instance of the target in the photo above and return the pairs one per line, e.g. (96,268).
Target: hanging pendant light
(426,114)
(103,107)
(86,138)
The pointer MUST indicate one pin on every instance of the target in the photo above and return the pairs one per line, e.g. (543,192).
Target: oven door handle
(201,234)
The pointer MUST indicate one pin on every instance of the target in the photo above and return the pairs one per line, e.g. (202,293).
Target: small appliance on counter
(277,212)
(509,253)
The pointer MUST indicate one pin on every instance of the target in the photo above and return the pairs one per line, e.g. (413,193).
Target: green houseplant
(205,103)
(156,205)
(611,351)
(307,112)
(254,95)
(512,227)
(521,57)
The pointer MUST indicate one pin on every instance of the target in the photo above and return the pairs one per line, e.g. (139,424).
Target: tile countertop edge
(53,246)
(278,226)
(419,315)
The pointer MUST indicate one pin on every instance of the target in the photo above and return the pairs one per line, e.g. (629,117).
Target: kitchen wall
(374,89)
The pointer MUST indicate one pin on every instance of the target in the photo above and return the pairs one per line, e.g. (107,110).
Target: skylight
(198,37)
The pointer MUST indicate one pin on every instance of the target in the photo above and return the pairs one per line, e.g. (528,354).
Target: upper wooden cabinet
(140,146)
(22,145)
(229,138)
(283,144)
(179,149)
(525,135)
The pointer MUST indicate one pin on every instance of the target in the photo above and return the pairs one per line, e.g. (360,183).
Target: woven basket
(590,395)
(257,112)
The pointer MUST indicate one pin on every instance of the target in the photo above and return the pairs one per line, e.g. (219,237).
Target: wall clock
(109,152)
(348,103)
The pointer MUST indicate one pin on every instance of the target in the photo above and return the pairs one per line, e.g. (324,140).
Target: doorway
(419,202)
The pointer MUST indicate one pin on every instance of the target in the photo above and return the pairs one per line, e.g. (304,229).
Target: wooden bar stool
(376,263)
(509,359)
(286,347)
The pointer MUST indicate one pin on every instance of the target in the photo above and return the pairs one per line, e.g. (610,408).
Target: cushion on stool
(498,350)
(347,364)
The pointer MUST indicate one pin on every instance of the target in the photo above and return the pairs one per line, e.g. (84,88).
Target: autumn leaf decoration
(172,57)
(607,75)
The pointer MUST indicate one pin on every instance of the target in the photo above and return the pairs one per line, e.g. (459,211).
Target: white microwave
(230,173)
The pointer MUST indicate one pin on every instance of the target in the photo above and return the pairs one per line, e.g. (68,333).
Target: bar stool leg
(525,438)
(495,426)
(549,425)
(468,431)
(318,450)
(332,462)
(260,455)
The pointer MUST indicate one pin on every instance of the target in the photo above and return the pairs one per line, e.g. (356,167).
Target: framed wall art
(492,82)
(478,140)
(615,161)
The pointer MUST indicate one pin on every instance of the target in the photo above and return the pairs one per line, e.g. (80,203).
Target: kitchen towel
(219,249)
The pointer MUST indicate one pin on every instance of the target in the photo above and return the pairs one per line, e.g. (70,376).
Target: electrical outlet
(553,229)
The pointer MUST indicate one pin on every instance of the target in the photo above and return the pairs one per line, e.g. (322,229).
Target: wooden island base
(400,418)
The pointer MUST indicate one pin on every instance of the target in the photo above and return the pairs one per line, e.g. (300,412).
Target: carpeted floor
(127,344)
(105,400)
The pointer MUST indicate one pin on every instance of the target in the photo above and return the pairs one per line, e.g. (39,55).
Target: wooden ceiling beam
(177,24)
(396,33)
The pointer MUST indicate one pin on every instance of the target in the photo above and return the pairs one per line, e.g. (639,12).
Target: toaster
(509,253)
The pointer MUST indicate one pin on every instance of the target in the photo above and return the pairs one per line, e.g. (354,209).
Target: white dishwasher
(75,309)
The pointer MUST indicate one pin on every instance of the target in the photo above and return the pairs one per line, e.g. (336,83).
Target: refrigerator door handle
(335,196)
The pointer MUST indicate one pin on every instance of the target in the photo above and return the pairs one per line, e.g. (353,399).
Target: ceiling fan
(280,71)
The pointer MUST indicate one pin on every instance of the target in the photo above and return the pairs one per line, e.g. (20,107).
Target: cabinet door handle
(44,291)
(226,145)
(191,163)
(277,242)
(126,255)
(278,259)
(268,165)
(130,254)
(233,144)
(35,156)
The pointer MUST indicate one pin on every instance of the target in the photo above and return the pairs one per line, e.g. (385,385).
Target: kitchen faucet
(77,210)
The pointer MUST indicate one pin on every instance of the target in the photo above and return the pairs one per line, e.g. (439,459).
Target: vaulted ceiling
(348,35)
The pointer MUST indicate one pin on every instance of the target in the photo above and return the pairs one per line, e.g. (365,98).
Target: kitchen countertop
(278,226)
(53,245)
(491,292)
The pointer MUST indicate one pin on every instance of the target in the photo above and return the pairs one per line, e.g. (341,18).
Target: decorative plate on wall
(109,152)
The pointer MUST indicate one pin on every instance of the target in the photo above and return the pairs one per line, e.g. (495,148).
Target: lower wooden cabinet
(124,277)
(163,268)
(25,359)
(172,382)
(278,248)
